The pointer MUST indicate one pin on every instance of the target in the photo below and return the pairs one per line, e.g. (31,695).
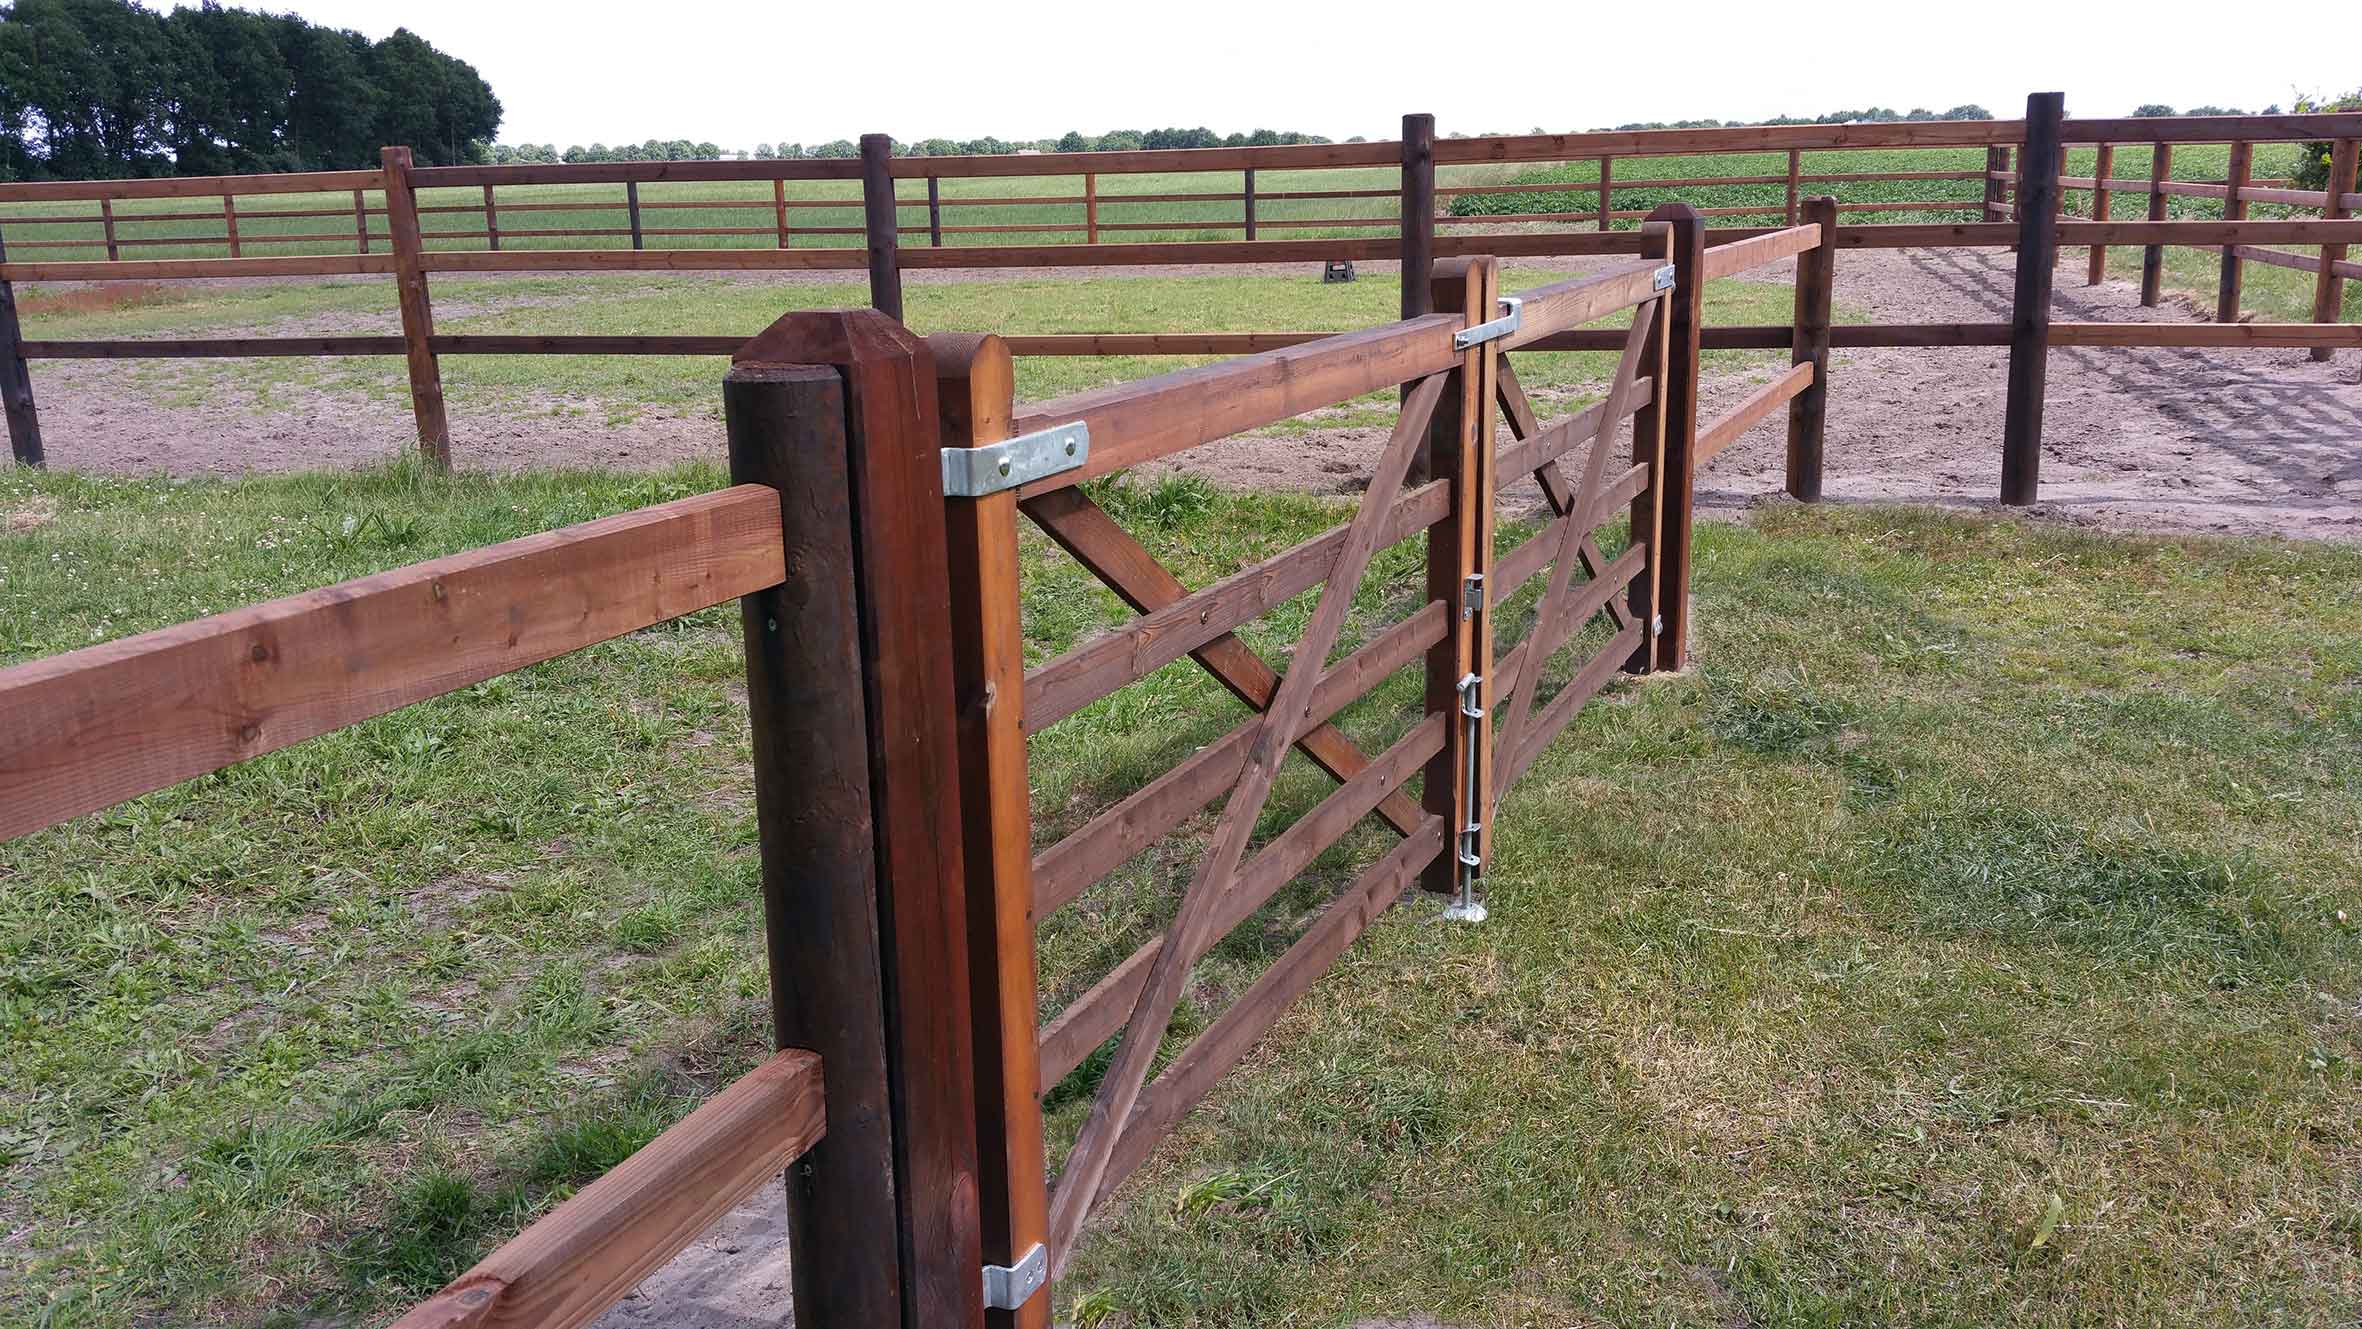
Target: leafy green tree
(2152,110)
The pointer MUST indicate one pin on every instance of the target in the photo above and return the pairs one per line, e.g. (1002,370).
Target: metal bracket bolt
(975,472)
(1008,1287)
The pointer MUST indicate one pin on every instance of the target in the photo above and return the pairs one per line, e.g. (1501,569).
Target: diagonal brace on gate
(1083,529)
(1525,426)
(1119,1091)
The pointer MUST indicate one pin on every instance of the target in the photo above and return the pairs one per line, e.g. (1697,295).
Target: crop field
(1992,956)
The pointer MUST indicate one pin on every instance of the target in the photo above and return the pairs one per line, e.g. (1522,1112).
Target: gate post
(1459,446)
(1673,403)
(856,800)
(16,383)
(1808,411)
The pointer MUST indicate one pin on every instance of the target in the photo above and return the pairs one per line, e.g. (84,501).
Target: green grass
(1970,939)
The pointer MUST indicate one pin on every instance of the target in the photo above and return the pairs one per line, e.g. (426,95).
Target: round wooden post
(2329,289)
(882,222)
(1808,411)
(2103,169)
(857,806)
(16,381)
(417,309)
(2153,256)
(1418,214)
(2029,330)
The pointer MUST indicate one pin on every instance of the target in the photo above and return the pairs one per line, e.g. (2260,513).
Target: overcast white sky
(738,74)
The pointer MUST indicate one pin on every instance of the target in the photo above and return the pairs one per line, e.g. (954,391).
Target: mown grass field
(1969,939)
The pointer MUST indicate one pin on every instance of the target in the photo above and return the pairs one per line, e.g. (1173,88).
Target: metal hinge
(1662,279)
(1009,1287)
(975,472)
(1512,316)
(1472,595)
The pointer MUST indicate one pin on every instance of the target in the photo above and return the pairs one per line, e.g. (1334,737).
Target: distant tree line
(106,89)
(2154,109)
(1121,140)
(1871,114)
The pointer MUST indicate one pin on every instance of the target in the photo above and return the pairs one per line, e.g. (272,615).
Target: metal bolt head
(1070,447)
(1004,466)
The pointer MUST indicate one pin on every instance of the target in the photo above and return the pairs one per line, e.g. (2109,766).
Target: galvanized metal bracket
(1472,595)
(975,472)
(1512,317)
(1008,1287)
(1468,844)
(1662,279)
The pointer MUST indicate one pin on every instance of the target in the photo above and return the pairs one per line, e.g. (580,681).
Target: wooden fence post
(976,380)
(779,208)
(106,219)
(16,380)
(1648,449)
(882,222)
(857,805)
(1996,159)
(418,311)
(1607,192)
(1808,411)
(1090,208)
(935,211)
(2029,333)
(1795,182)
(2103,169)
(1676,391)
(2329,289)
(361,221)
(1418,214)
(229,221)
(2153,256)
(1459,450)
(631,205)
(491,221)
(2227,284)
(1250,202)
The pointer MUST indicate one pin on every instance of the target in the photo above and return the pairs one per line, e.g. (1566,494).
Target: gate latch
(975,472)
(1008,1287)
(1512,316)
(1662,279)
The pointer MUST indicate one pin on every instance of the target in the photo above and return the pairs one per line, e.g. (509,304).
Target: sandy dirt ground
(2202,441)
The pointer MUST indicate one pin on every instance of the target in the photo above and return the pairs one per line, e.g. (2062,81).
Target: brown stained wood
(418,312)
(1155,417)
(976,380)
(361,223)
(1416,226)
(1538,448)
(161,348)
(652,260)
(1606,192)
(1610,661)
(882,221)
(1090,208)
(1808,410)
(1746,255)
(1084,530)
(575,1262)
(935,211)
(1069,867)
(106,216)
(1601,592)
(2258,335)
(894,504)
(1552,617)
(1095,1016)
(2153,255)
(1061,686)
(1527,429)
(88,729)
(491,220)
(2215,128)
(2275,258)
(16,381)
(2030,308)
(2103,166)
(1752,410)
(2329,285)
(189,186)
(1674,486)
(1086,1166)
(1996,167)
(229,222)
(1247,202)
(1458,451)
(1199,1066)
(1520,564)
(1578,300)
(1752,138)
(1795,181)
(2230,280)
(779,210)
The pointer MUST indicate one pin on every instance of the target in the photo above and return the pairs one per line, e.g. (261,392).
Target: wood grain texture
(91,728)
(2229,281)
(575,1262)
(2029,323)
(418,312)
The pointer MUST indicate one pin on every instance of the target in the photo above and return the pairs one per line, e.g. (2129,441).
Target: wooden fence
(412,253)
(902,888)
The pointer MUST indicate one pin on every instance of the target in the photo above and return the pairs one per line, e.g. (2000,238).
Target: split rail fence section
(2030,188)
(879,479)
